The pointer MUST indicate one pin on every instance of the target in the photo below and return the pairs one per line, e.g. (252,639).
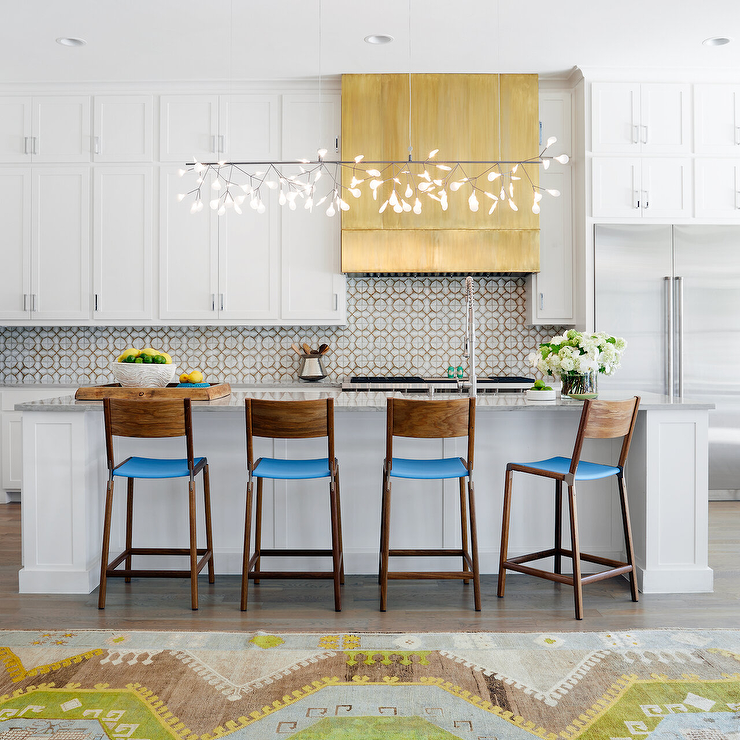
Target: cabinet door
(15,216)
(15,129)
(717,188)
(188,254)
(313,288)
(666,188)
(615,117)
(553,288)
(123,128)
(717,119)
(12,455)
(122,244)
(61,129)
(249,127)
(188,128)
(249,264)
(616,187)
(60,244)
(665,120)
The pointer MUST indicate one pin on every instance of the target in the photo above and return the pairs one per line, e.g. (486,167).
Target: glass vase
(579,385)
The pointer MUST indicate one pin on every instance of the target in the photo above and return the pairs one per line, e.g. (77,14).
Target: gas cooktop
(415,384)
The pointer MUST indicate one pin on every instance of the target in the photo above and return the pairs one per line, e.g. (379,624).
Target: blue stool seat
(446,467)
(584,471)
(269,467)
(147,467)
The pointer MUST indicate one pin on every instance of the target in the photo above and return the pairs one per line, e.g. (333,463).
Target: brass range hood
(459,115)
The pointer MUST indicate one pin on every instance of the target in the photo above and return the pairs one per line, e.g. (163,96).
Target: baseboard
(717,494)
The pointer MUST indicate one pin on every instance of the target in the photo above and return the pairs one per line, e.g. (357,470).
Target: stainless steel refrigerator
(673,292)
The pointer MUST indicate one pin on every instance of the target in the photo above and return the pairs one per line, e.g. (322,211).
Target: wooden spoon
(323,349)
(307,349)
(296,348)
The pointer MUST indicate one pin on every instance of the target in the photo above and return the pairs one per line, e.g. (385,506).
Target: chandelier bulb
(222,210)
(321,154)
(216,185)
(454,186)
(181,172)
(493,175)
(473,202)
(356,192)
(444,203)
(359,158)
(373,173)
(537,197)
(444,167)
(375,184)
(237,209)
(511,189)
(253,203)
(546,164)
(272,185)
(502,194)
(553,192)
(343,205)
(432,153)
(261,207)
(393,200)
(214,204)
(282,199)
(309,204)
(516,167)
(317,176)
(409,191)
(563,159)
(417,207)
(513,205)
(383,207)
(551,141)
(493,207)
(406,207)
(536,208)
(180,197)
(398,208)
(194,207)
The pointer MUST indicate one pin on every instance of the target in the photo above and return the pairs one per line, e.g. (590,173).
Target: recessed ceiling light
(716,41)
(70,41)
(378,38)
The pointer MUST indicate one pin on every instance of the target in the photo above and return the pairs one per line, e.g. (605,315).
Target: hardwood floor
(531,604)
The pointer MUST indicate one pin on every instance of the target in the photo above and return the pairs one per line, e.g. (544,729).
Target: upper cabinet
(123,129)
(717,119)
(213,128)
(630,118)
(45,129)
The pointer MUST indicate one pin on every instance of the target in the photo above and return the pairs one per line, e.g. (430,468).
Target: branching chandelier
(402,185)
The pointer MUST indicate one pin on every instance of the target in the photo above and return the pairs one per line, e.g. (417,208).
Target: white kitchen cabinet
(123,265)
(214,128)
(630,118)
(123,128)
(550,291)
(633,187)
(11,439)
(717,188)
(45,129)
(46,255)
(313,287)
(15,216)
(717,119)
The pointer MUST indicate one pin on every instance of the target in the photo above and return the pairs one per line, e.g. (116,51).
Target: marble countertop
(376,400)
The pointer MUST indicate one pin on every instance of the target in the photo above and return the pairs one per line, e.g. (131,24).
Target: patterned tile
(394,325)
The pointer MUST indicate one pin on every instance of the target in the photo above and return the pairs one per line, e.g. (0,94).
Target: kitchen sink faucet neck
(469,341)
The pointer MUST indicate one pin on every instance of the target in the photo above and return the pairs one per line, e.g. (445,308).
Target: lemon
(166,357)
(184,378)
(130,352)
(149,351)
(196,376)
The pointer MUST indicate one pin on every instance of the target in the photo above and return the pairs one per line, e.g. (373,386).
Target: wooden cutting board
(115,390)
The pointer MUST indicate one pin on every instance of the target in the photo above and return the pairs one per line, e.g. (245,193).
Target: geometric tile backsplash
(402,325)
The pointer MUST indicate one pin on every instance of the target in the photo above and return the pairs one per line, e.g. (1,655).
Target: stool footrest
(287,574)
(619,569)
(427,553)
(428,576)
(150,572)
(286,552)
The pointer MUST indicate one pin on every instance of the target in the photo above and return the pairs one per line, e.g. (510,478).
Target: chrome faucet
(469,343)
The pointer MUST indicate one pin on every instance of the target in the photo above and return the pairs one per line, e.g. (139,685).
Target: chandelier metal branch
(406,183)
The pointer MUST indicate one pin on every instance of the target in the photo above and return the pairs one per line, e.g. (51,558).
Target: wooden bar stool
(291,420)
(153,419)
(599,420)
(430,419)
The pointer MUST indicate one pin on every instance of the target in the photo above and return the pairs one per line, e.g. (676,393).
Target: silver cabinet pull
(542,301)
(636,198)
(679,312)
(737,199)
(737,135)
(96,301)
(33,302)
(96,145)
(25,301)
(669,332)
(35,142)
(221,301)
(645,138)
(221,143)
(646,200)
(336,301)
(635,134)
(213,301)
(214,144)
(25,144)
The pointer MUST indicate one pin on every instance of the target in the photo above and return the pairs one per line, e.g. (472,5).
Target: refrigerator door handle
(668,281)
(679,318)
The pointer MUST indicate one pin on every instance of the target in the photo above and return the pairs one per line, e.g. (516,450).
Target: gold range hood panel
(459,115)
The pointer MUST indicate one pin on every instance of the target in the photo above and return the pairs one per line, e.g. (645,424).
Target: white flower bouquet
(578,353)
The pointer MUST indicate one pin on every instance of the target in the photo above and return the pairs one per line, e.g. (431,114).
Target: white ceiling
(231,40)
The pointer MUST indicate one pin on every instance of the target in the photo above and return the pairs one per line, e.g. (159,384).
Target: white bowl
(139,375)
(533,395)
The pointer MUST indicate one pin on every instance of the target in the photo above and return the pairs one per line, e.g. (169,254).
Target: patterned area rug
(93,685)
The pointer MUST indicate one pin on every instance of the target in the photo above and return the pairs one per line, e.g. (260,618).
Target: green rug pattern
(95,685)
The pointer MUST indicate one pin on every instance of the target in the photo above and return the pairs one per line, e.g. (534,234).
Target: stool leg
(385,543)
(193,547)
(577,584)
(505,533)
(335,544)
(106,544)
(628,536)
(129,524)
(247,537)
(474,546)
(339,509)
(258,528)
(382,526)
(209,533)
(558,525)
(464,527)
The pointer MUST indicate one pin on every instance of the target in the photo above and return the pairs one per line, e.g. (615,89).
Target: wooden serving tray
(115,390)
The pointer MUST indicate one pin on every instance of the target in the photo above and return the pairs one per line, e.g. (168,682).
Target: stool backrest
(607,420)
(430,419)
(147,419)
(289,420)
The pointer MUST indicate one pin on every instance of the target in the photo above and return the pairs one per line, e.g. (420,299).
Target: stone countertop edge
(376,400)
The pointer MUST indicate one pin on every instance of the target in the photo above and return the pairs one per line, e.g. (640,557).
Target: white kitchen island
(64,474)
